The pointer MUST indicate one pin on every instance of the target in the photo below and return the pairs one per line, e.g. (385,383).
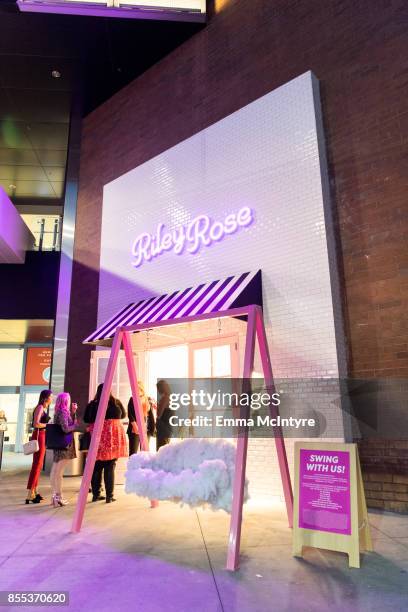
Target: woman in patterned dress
(112,444)
(65,417)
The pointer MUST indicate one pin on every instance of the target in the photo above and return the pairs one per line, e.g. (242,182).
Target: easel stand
(255,330)
(359,537)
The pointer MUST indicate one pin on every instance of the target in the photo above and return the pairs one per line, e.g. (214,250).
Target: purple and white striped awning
(232,292)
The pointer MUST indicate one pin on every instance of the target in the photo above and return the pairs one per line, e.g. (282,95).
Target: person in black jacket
(112,444)
(149,409)
(163,427)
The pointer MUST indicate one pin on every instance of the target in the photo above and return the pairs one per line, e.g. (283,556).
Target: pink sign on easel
(330,511)
(324,491)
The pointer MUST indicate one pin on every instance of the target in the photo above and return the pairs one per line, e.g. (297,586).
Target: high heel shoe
(58,501)
(54,501)
(39,497)
(33,500)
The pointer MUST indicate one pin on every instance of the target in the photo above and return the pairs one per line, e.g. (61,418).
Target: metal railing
(48,240)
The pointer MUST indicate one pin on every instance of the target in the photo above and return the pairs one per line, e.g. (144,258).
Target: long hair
(99,390)
(63,402)
(44,395)
(163,387)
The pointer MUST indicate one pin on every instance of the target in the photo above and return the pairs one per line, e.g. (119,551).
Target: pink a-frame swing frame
(255,330)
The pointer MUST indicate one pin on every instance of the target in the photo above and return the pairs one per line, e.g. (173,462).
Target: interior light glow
(220,5)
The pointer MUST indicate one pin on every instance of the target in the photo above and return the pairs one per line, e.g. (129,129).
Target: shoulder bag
(56,438)
(31,447)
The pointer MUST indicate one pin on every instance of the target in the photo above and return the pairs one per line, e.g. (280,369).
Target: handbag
(56,438)
(85,441)
(31,447)
(151,417)
(151,423)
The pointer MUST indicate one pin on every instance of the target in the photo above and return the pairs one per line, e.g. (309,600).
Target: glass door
(28,401)
(9,403)
(209,361)
(120,385)
(165,363)
(214,358)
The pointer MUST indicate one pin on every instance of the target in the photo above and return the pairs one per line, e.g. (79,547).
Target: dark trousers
(38,459)
(134,442)
(108,469)
(161,441)
(163,430)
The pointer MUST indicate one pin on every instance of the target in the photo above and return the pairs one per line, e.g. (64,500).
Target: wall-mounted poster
(329,504)
(38,365)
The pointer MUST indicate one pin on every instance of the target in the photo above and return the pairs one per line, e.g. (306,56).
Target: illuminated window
(169,362)
(176,5)
(212,361)
(202,363)
(192,10)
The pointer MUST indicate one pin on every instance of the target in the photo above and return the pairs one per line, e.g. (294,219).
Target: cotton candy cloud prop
(196,472)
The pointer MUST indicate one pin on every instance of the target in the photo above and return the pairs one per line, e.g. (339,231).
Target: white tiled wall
(265,156)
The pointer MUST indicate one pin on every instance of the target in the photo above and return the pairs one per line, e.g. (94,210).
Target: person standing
(148,407)
(163,427)
(112,444)
(3,421)
(65,417)
(39,423)
(3,429)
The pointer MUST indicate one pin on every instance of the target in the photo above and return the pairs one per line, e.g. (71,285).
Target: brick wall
(386,491)
(385,471)
(357,49)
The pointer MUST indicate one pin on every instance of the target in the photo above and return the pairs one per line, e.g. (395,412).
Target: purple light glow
(201,231)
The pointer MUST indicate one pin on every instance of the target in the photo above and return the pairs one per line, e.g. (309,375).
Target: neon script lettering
(201,231)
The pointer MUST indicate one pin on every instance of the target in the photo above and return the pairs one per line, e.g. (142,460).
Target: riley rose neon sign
(201,231)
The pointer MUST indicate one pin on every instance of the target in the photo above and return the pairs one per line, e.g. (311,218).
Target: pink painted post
(241,456)
(127,345)
(144,444)
(279,440)
(96,434)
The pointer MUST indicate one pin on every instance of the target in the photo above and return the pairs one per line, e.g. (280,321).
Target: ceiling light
(56,74)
